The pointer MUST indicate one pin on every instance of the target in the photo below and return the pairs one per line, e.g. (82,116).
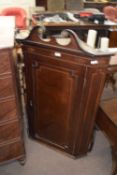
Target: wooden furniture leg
(107,122)
(114,160)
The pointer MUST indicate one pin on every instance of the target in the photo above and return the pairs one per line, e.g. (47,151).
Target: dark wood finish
(41,3)
(11,131)
(113,38)
(107,122)
(90,4)
(99,5)
(67,4)
(63,92)
(45,3)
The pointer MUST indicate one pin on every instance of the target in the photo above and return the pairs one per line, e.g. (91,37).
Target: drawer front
(58,55)
(9,131)
(11,151)
(5,66)
(6,87)
(8,110)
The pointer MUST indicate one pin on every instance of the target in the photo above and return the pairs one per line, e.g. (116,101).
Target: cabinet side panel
(94,85)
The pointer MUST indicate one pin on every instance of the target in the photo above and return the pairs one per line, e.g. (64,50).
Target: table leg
(114,160)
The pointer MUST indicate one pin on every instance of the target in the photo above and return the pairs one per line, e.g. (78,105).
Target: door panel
(53,91)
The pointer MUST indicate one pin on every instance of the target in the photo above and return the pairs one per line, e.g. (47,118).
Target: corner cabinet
(11,130)
(63,92)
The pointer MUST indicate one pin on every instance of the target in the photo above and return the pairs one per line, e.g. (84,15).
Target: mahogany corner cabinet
(64,85)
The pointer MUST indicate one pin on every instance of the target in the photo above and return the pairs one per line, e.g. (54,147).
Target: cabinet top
(67,40)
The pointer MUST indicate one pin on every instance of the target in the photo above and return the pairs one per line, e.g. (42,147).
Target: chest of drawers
(11,137)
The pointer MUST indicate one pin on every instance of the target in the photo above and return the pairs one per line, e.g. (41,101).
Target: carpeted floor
(43,160)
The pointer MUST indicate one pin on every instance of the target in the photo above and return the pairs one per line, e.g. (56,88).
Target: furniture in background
(21,26)
(11,123)
(82,28)
(113,38)
(20,15)
(55,5)
(52,5)
(98,5)
(74,5)
(41,3)
(107,122)
(64,85)
(110,77)
(36,10)
(78,5)
(110,13)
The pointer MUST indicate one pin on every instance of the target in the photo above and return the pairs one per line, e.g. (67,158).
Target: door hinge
(30,103)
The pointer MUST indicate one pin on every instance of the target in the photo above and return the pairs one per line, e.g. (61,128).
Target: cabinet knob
(35,64)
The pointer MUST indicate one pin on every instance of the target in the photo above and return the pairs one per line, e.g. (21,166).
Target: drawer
(8,110)
(9,131)
(5,66)
(11,151)
(6,87)
(57,55)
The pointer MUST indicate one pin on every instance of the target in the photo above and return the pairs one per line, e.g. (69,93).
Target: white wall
(26,4)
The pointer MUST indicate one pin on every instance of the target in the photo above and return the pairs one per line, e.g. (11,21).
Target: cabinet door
(54,92)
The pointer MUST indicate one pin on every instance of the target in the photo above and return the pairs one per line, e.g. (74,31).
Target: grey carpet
(43,160)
